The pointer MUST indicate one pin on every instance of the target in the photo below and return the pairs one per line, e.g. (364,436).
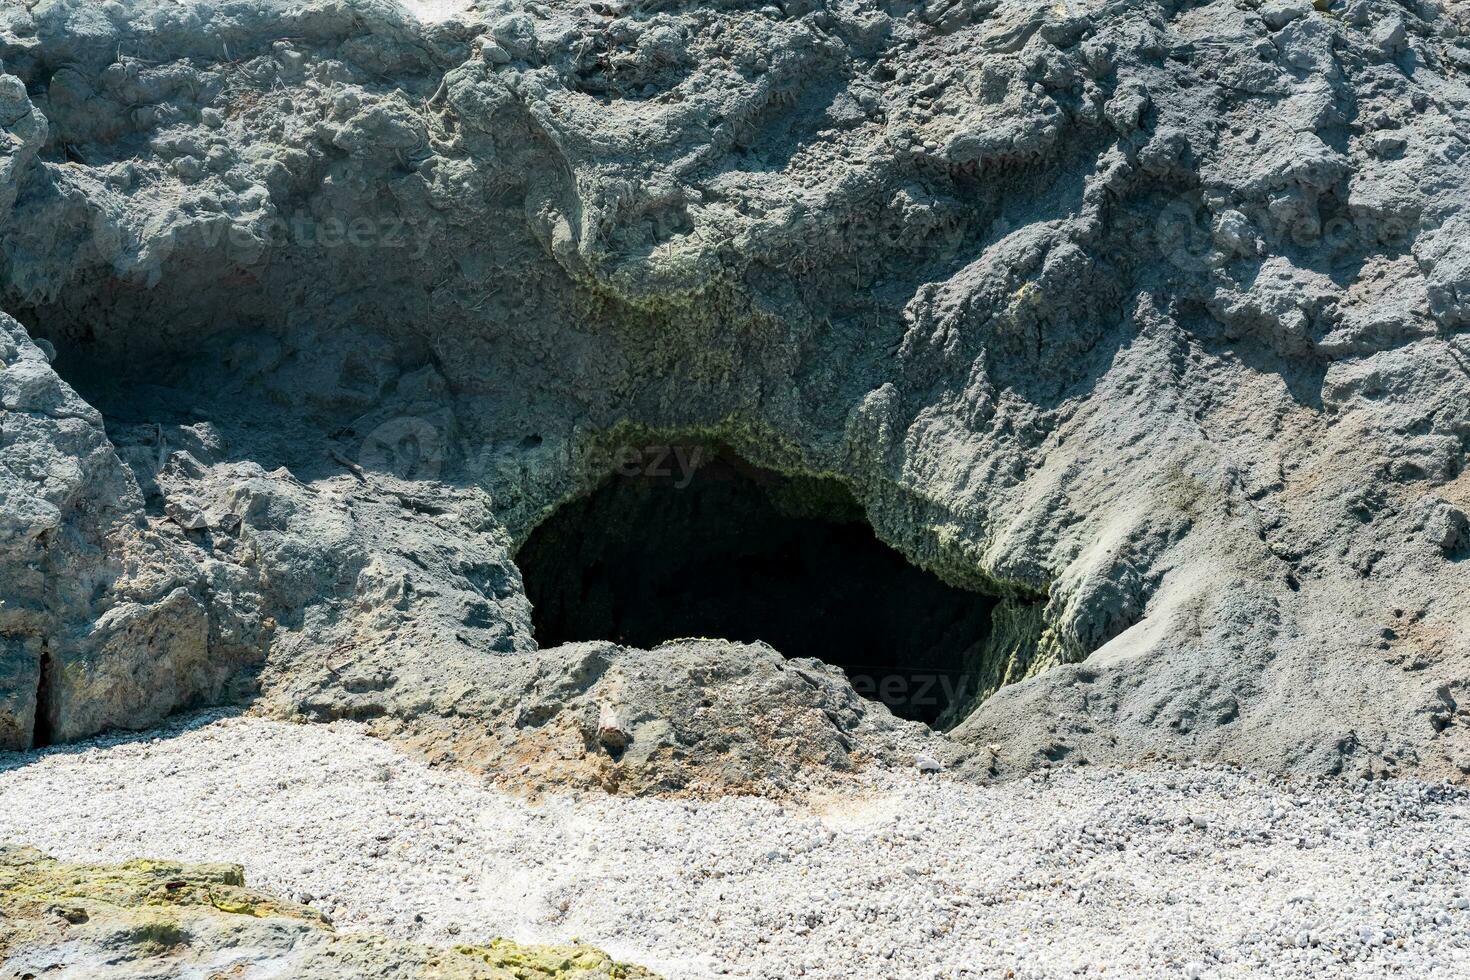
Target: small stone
(1233,230)
(188,167)
(494,54)
(14,100)
(1387,146)
(612,734)
(187,512)
(1279,13)
(1447,527)
(1390,36)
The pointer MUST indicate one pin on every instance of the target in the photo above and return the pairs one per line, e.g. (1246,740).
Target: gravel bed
(1098,872)
(433,11)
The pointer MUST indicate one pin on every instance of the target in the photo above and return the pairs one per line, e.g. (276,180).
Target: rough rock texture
(104,622)
(1147,318)
(154,919)
(693,717)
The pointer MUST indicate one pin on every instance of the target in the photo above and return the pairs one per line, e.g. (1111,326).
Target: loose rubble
(1208,872)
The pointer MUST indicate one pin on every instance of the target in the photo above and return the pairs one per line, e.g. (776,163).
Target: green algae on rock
(159,919)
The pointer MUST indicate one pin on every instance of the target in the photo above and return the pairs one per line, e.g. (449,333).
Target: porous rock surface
(157,919)
(1146,317)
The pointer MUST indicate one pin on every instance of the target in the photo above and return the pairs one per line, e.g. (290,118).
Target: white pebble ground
(1095,872)
(433,11)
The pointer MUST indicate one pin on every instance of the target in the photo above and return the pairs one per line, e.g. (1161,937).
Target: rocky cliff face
(1146,319)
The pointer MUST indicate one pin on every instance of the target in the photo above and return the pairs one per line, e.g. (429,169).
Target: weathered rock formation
(1146,319)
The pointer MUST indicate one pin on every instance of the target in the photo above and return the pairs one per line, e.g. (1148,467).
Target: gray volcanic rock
(1147,318)
(105,622)
(693,717)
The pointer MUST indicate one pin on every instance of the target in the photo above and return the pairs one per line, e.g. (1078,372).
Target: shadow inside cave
(727,550)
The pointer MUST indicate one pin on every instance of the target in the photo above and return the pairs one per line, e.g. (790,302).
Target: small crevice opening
(696,542)
(41,733)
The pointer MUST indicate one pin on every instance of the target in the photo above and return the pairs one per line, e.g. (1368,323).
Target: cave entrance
(693,541)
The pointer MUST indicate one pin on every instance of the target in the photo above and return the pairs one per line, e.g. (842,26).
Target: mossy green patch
(140,911)
(28,877)
(551,962)
(1012,652)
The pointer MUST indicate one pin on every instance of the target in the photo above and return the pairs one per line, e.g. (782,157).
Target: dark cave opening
(694,542)
(41,734)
